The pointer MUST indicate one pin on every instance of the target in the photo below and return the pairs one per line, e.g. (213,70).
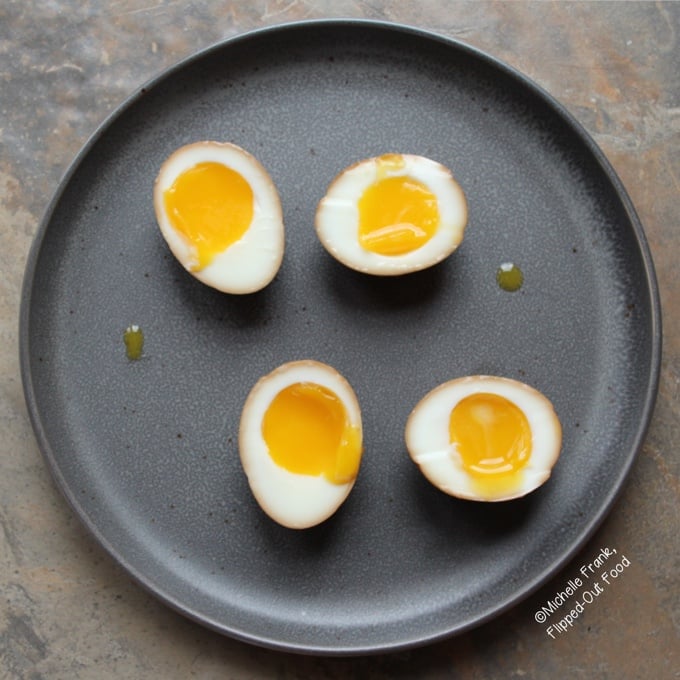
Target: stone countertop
(66,609)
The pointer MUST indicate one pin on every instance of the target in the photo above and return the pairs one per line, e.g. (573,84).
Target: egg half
(300,442)
(392,214)
(484,438)
(220,213)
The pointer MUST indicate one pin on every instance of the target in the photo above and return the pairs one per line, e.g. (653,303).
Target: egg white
(293,500)
(249,264)
(427,436)
(337,216)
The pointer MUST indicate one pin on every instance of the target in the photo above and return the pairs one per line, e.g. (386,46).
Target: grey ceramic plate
(146,451)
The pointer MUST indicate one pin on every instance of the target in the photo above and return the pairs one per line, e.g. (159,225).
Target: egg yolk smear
(212,206)
(307,432)
(492,436)
(397,214)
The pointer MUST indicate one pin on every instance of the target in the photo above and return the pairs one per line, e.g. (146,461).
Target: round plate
(146,451)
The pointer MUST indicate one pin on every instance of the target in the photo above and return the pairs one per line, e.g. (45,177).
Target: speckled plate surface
(146,451)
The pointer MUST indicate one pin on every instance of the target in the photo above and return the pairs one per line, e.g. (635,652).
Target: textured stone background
(66,610)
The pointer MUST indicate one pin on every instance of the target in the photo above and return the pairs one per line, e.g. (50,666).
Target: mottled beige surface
(66,610)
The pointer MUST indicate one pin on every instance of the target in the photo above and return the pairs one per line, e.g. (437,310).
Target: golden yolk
(396,214)
(492,436)
(212,206)
(306,430)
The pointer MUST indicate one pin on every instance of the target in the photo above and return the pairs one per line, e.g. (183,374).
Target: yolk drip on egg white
(492,437)
(314,415)
(212,206)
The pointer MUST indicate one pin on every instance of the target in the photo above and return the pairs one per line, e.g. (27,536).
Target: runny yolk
(492,436)
(396,214)
(212,206)
(307,432)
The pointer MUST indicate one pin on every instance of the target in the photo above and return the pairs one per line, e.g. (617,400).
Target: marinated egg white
(392,214)
(484,438)
(300,442)
(220,213)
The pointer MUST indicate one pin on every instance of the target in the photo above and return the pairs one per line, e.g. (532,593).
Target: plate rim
(345,24)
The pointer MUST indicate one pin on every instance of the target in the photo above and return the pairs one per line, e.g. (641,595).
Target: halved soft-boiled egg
(392,214)
(484,438)
(300,442)
(220,213)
